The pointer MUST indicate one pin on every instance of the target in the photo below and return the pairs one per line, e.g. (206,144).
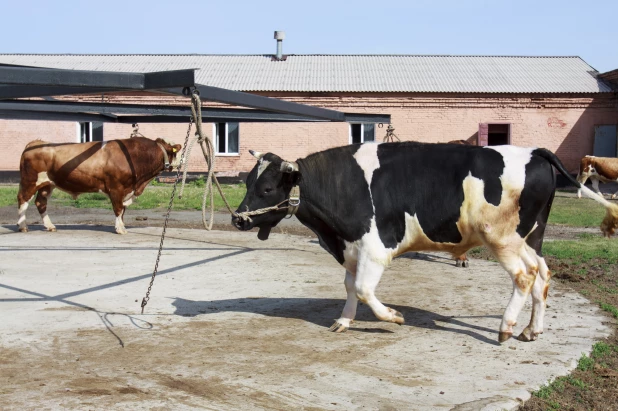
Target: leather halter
(166,159)
(293,201)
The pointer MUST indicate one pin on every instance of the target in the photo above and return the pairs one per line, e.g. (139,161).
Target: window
(87,132)
(362,133)
(84,132)
(226,138)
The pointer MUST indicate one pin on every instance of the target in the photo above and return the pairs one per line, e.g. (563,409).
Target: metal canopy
(138,113)
(23,82)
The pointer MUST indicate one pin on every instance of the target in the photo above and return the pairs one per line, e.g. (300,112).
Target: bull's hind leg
(462,261)
(349,310)
(25,194)
(539,300)
(368,274)
(523,277)
(41,204)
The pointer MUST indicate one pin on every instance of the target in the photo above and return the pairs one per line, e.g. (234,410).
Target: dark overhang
(21,82)
(138,113)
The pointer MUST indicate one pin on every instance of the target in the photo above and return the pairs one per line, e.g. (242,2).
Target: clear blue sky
(588,29)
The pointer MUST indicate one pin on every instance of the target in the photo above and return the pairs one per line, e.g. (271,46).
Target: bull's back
(69,166)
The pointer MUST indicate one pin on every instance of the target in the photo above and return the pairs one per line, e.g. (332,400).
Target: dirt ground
(73,337)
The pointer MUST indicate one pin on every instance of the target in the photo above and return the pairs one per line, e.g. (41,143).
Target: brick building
(552,102)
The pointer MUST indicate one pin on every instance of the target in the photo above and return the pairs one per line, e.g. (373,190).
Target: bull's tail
(610,222)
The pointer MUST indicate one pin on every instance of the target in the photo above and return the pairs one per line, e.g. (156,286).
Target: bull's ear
(289,167)
(256,154)
(176,148)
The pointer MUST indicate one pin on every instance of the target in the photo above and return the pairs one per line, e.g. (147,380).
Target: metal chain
(167,216)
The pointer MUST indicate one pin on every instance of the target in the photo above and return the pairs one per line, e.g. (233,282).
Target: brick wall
(563,124)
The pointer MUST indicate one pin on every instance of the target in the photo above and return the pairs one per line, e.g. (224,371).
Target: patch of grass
(588,247)
(155,196)
(576,382)
(576,212)
(602,349)
(610,309)
(547,390)
(8,196)
(585,363)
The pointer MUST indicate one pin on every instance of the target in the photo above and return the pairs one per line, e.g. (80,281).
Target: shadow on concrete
(76,227)
(427,257)
(321,311)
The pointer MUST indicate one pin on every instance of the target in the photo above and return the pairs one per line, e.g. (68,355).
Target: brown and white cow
(119,168)
(604,169)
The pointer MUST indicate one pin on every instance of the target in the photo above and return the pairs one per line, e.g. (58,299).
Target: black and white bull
(372,202)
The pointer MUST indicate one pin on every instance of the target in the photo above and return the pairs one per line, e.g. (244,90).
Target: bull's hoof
(51,229)
(465,264)
(504,335)
(121,231)
(458,263)
(397,317)
(23,229)
(337,327)
(527,335)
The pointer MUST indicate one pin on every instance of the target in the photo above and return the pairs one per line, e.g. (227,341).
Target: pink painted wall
(563,124)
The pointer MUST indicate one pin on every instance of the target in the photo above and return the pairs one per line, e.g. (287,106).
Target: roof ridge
(289,55)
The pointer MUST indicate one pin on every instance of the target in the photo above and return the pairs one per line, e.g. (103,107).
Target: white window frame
(362,133)
(78,131)
(216,141)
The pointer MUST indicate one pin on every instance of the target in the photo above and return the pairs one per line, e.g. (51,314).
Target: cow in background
(372,202)
(604,169)
(119,168)
(462,142)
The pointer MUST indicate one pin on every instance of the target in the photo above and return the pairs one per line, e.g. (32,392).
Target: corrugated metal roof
(351,73)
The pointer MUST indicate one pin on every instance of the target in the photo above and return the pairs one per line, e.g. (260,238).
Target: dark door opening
(498,135)
(494,134)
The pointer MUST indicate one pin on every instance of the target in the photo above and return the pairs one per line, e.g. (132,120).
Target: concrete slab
(235,323)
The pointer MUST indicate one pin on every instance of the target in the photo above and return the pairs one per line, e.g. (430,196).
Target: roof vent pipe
(279,36)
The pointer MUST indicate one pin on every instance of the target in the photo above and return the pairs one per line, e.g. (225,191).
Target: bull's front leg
(349,310)
(368,274)
(119,207)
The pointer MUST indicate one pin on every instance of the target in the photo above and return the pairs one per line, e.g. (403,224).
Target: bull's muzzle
(241,223)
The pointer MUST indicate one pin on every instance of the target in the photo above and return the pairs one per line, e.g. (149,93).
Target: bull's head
(268,185)
(172,151)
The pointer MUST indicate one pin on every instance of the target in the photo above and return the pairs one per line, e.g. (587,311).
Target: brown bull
(603,169)
(119,168)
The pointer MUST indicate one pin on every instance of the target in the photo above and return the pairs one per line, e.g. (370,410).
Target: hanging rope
(208,151)
(390,136)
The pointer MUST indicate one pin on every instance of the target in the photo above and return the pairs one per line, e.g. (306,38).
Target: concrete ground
(235,323)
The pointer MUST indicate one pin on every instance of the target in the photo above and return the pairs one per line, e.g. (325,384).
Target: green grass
(576,212)
(155,196)
(8,196)
(610,309)
(586,248)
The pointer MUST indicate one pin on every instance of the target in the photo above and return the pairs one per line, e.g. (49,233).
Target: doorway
(496,134)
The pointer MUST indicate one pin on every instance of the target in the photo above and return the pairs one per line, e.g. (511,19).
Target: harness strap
(293,201)
(166,159)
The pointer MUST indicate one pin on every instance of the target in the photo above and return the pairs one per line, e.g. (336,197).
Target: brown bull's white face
(268,185)
(172,150)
